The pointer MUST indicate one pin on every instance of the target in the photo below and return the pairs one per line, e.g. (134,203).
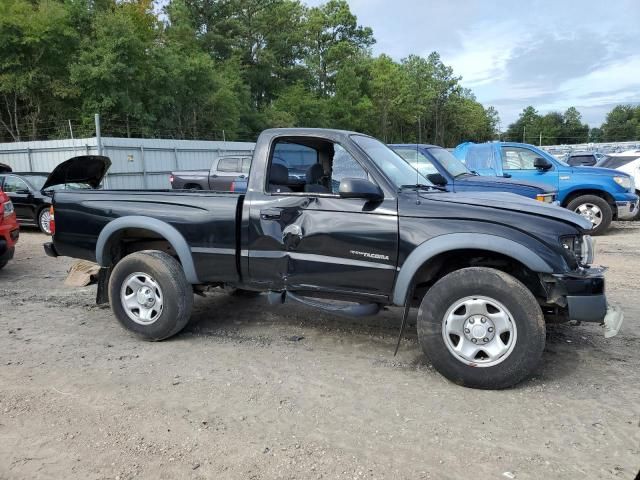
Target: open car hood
(89,169)
(4,168)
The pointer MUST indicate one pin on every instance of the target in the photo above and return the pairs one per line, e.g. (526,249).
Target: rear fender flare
(460,241)
(173,236)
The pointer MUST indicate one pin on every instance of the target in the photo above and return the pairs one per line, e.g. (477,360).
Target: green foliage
(622,123)
(550,129)
(208,68)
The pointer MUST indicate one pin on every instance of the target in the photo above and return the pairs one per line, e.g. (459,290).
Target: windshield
(454,166)
(392,164)
(617,161)
(37,181)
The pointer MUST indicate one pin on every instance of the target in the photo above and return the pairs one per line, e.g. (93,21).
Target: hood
(89,169)
(5,168)
(608,172)
(508,182)
(514,203)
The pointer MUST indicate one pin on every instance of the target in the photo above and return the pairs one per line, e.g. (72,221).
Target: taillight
(52,221)
(6,209)
(233,187)
(170,178)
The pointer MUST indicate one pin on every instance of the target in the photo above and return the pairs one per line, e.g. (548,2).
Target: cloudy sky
(511,53)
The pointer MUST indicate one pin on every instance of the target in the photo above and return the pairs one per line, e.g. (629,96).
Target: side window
(229,165)
(417,160)
(344,166)
(246,164)
(14,184)
(516,158)
(289,165)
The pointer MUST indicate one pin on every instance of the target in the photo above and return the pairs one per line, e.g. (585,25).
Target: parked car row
(598,194)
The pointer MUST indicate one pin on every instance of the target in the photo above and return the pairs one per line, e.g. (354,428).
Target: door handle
(270,214)
(214,176)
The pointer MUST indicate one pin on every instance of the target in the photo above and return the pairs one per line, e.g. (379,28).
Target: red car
(8,229)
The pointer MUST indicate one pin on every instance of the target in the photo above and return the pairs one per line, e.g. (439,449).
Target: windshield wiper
(422,186)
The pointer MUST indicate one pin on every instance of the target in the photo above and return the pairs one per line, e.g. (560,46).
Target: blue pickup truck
(442,168)
(598,194)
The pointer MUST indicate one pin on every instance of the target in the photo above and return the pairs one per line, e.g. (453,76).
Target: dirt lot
(258,392)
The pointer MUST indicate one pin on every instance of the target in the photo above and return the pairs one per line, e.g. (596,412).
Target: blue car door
(518,162)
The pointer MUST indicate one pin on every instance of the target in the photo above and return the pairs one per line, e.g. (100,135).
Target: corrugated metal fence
(136,163)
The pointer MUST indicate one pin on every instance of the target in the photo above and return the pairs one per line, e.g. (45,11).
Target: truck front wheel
(595,209)
(150,295)
(481,328)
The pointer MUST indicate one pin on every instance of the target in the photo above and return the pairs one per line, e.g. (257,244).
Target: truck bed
(207,221)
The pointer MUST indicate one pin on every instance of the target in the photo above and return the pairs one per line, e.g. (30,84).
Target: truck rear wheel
(481,328)
(595,209)
(150,295)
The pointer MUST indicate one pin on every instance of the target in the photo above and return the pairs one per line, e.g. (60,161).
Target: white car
(627,162)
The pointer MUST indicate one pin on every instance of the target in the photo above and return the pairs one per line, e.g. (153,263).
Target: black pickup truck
(360,230)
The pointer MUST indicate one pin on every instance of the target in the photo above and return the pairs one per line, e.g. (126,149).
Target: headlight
(581,247)
(624,182)
(546,198)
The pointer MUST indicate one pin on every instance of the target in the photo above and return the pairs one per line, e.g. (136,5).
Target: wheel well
(129,240)
(598,193)
(444,263)
(192,186)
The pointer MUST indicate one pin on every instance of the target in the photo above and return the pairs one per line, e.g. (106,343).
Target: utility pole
(540,144)
(524,134)
(70,129)
(98,136)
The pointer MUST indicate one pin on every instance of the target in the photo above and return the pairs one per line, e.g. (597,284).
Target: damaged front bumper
(581,294)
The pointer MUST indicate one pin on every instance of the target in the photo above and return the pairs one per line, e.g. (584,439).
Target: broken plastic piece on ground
(82,273)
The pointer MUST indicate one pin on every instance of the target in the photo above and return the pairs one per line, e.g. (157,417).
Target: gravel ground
(258,392)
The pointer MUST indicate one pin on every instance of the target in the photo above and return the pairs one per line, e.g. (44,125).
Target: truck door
(21,197)
(304,237)
(224,173)
(519,163)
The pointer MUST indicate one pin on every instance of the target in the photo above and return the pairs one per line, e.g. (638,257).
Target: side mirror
(542,164)
(437,179)
(23,191)
(360,188)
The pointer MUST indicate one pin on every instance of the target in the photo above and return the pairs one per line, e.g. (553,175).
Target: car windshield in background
(392,164)
(454,166)
(37,182)
(615,162)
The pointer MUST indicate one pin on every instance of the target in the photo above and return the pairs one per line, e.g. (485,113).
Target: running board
(346,309)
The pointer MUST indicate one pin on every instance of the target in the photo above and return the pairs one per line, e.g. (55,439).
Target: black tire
(528,341)
(3,264)
(601,203)
(43,229)
(193,186)
(176,293)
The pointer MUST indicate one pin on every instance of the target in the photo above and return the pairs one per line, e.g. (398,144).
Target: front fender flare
(459,241)
(173,236)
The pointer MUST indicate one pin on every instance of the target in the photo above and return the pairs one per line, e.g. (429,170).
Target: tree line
(622,124)
(214,69)
(206,68)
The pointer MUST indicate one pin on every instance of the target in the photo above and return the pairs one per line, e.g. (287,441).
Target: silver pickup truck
(220,177)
